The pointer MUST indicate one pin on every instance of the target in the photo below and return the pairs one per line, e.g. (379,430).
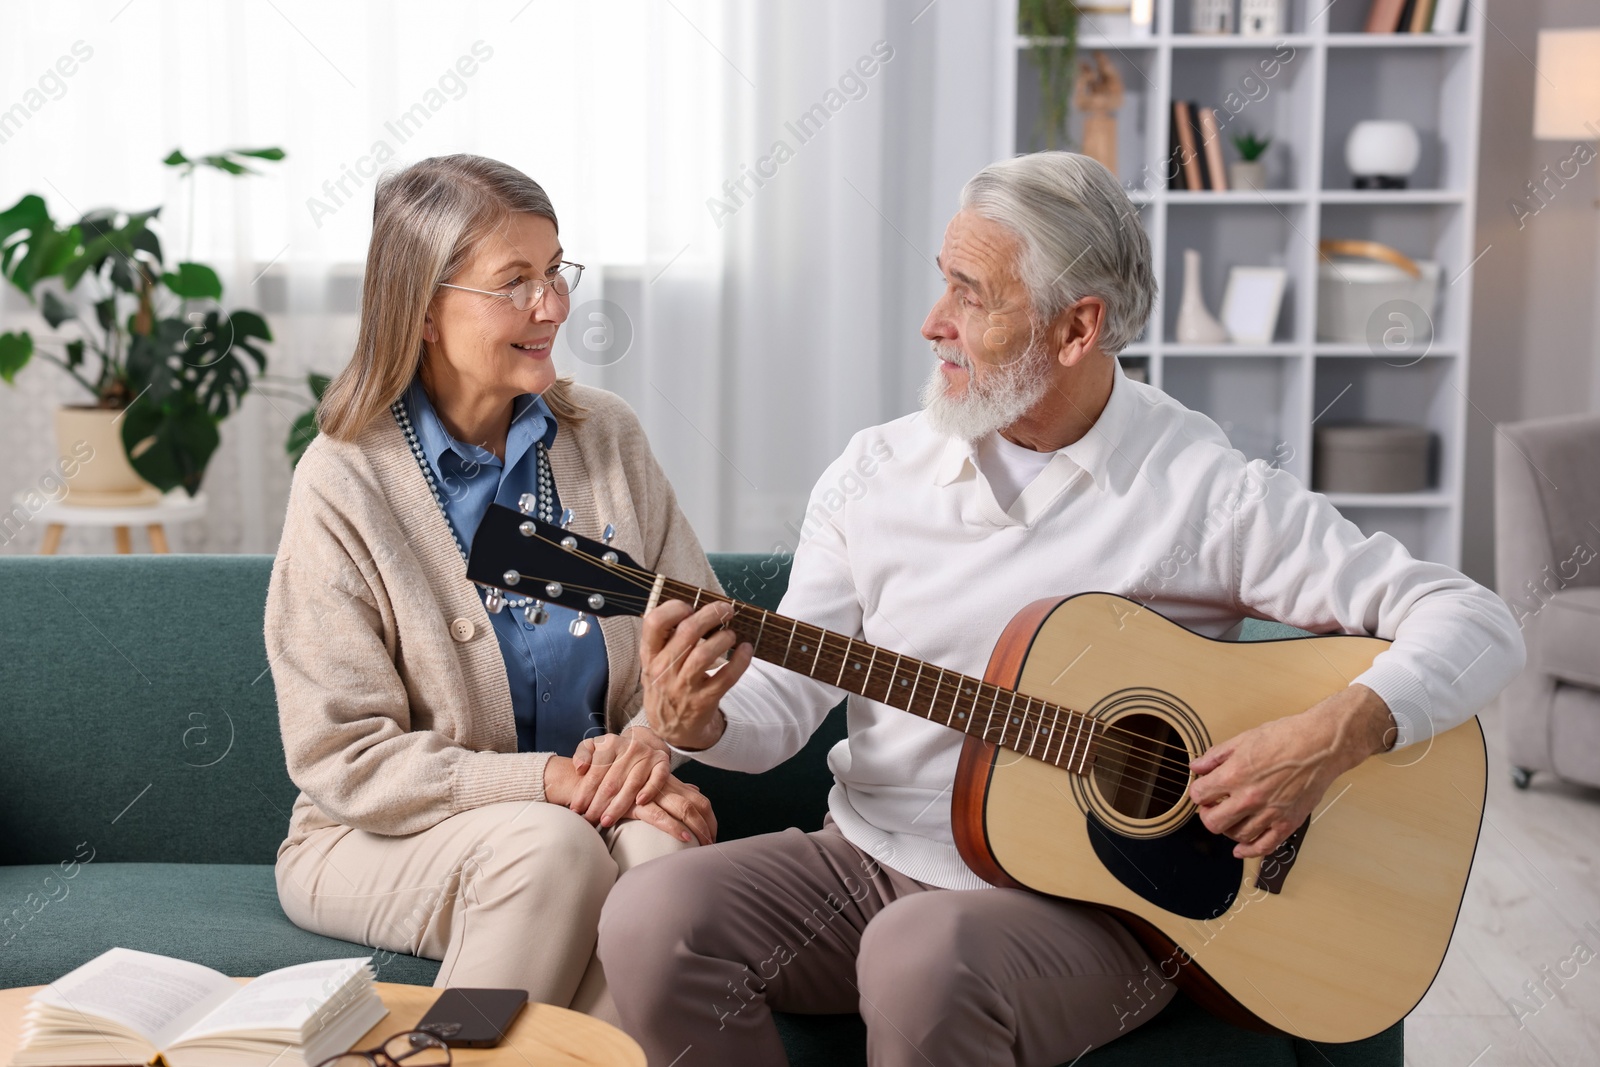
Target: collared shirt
(558,682)
(906,547)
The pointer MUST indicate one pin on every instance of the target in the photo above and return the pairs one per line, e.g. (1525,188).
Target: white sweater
(905,547)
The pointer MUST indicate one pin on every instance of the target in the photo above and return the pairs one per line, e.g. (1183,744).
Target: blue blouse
(558,682)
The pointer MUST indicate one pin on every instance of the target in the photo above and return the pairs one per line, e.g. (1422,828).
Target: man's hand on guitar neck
(1258,787)
(681,699)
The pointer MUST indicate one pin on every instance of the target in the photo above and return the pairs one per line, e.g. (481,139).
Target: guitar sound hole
(1141,766)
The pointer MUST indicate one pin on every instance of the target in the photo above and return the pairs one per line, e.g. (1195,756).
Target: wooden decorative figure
(1097,95)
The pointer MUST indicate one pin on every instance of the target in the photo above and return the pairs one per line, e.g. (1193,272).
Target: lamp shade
(1567,96)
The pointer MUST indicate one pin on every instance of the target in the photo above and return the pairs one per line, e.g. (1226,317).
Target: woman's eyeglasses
(413,1048)
(527,291)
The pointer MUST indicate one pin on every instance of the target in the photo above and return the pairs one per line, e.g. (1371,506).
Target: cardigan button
(462,630)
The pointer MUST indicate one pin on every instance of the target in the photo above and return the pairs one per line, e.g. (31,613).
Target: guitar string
(1133,754)
(1131,749)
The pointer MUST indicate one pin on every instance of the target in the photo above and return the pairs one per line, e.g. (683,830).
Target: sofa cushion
(223,915)
(1569,637)
(139,714)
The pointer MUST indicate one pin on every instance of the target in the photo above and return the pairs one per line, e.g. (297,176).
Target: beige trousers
(507,895)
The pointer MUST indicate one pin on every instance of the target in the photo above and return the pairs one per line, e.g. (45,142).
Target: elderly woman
(471,783)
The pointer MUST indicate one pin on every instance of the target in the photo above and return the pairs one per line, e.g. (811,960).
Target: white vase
(1247,174)
(1196,325)
(1382,153)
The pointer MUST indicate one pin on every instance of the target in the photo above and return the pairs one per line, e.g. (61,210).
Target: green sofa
(144,795)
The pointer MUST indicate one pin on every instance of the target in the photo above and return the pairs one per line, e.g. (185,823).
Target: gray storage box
(1370,457)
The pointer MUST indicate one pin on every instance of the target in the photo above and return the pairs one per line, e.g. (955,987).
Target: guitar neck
(1000,716)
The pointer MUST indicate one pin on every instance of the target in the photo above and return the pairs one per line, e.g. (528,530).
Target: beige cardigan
(392,693)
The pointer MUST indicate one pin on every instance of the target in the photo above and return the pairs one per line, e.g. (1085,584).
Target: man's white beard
(1000,399)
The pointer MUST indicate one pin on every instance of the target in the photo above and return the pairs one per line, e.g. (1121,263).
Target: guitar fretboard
(1001,716)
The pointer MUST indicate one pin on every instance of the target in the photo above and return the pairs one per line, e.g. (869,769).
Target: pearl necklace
(546,511)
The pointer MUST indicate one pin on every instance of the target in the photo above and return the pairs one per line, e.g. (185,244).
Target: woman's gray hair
(1080,236)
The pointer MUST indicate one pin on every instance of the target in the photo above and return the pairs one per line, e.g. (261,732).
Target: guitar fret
(761,630)
(794,625)
(933,701)
(844,661)
(1077,736)
(895,673)
(1056,714)
(821,636)
(911,701)
(1011,716)
(866,680)
(698,593)
(976,693)
(1035,738)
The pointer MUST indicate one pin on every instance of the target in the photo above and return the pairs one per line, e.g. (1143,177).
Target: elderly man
(1036,467)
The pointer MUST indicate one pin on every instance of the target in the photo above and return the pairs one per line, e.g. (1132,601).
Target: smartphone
(473,1018)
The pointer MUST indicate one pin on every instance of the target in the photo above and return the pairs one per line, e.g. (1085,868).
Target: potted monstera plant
(162,362)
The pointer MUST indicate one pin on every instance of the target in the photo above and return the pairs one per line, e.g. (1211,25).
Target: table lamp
(1566,107)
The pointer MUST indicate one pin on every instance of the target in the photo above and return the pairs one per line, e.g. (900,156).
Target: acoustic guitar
(1073,782)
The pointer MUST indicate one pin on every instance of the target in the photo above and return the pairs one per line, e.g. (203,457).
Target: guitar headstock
(526,557)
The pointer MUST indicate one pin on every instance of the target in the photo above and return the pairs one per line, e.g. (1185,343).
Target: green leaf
(170,443)
(259,153)
(223,163)
(56,310)
(153,366)
(105,312)
(219,376)
(319,384)
(176,159)
(15,351)
(301,434)
(194,281)
(147,242)
(249,324)
(75,353)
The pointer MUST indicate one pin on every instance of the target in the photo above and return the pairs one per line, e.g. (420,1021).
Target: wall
(1536,291)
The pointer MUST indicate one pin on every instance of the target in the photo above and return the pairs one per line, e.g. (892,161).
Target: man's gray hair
(1080,236)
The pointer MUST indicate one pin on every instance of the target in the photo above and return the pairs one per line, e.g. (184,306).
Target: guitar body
(1364,908)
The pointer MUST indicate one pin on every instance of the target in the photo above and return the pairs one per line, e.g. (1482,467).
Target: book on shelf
(1211,137)
(1421,16)
(1188,147)
(1206,181)
(1447,16)
(1405,16)
(128,1007)
(1384,16)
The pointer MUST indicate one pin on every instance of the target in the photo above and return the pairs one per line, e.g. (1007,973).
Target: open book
(127,1007)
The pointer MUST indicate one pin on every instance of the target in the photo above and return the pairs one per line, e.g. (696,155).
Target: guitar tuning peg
(579,626)
(494,601)
(609,532)
(566,518)
(535,613)
(527,503)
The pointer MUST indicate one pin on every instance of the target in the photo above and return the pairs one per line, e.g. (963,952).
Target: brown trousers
(700,946)
(506,895)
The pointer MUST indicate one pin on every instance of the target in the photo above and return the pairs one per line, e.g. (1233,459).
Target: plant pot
(90,438)
(1247,174)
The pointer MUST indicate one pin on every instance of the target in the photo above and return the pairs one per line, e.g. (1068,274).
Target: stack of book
(1196,140)
(127,1007)
(1415,16)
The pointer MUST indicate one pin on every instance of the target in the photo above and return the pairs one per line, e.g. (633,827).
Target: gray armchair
(1547,562)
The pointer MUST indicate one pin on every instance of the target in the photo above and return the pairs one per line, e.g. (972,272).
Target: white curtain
(755,306)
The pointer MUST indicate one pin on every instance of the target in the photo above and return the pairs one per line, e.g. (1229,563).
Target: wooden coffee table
(542,1036)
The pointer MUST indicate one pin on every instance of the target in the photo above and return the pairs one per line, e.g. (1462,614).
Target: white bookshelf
(1268,396)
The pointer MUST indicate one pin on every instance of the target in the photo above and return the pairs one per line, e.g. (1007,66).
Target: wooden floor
(1535,886)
